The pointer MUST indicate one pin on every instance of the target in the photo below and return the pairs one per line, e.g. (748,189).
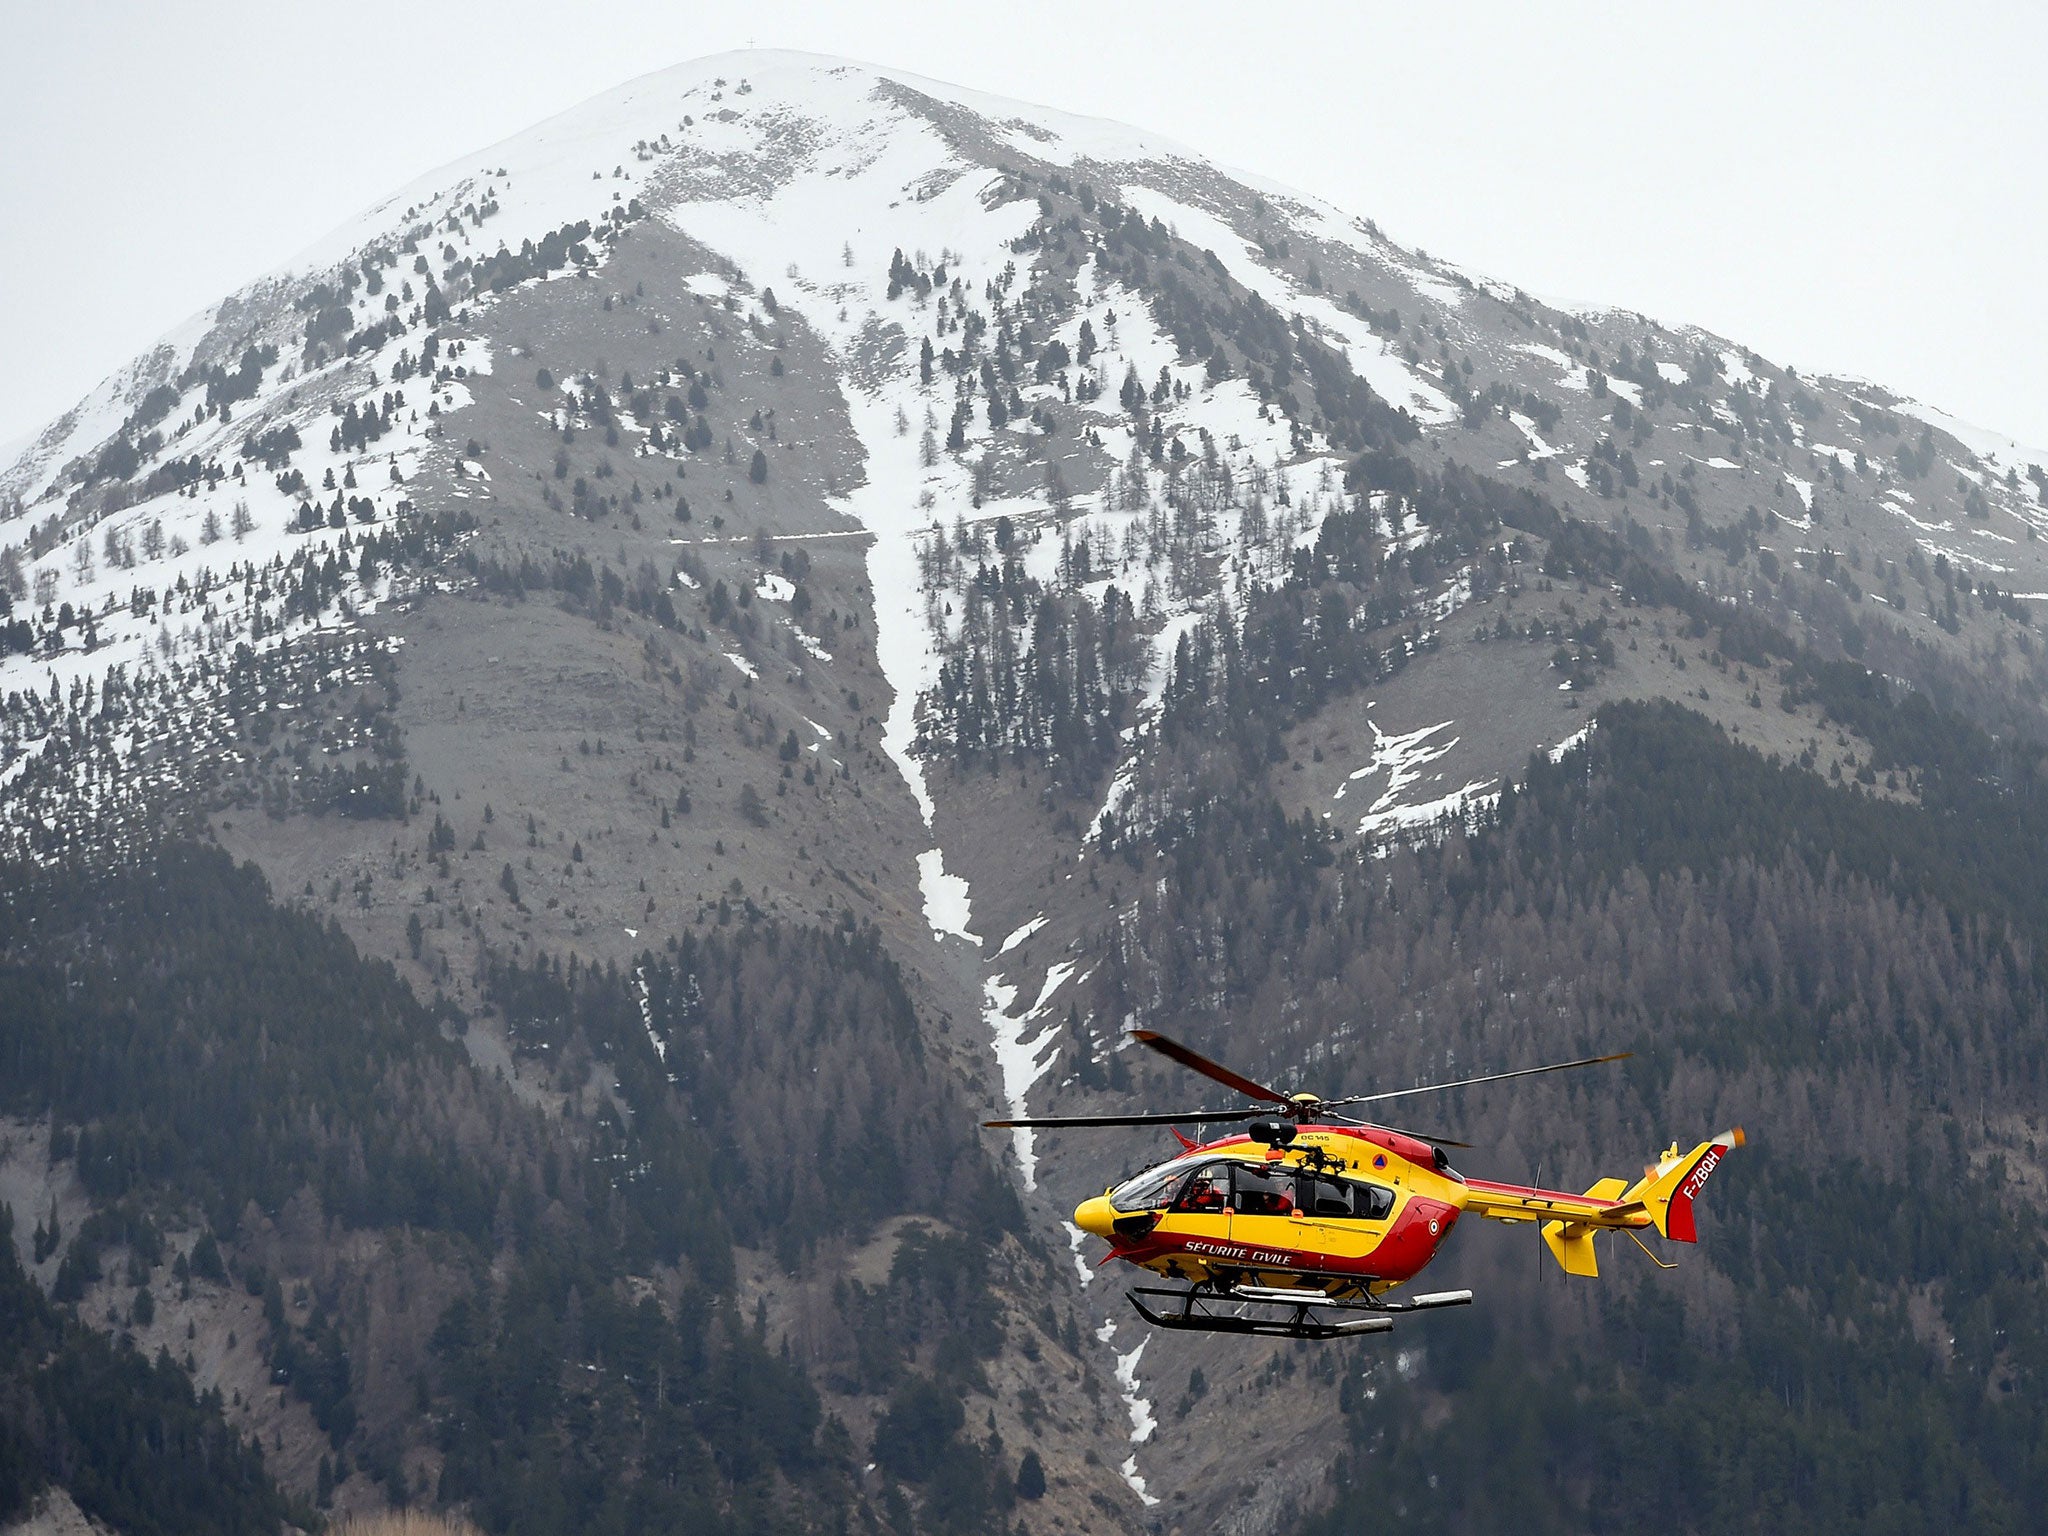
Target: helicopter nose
(1096,1216)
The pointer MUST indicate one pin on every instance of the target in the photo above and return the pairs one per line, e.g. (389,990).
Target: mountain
(559,751)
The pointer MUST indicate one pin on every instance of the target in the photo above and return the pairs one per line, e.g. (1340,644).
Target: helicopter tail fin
(1571,1242)
(1668,1185)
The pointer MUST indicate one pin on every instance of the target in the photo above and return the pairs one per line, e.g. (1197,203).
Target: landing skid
(1301,1315)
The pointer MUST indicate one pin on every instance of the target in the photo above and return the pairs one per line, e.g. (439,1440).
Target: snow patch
(947,907)
(1075,1238)
(1571,743)
(1139,1407)
(1563,362)
(1021,934)
(1402,757)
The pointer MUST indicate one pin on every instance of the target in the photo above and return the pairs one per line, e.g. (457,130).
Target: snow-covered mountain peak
(742,101)
(750,125)
(1094,321)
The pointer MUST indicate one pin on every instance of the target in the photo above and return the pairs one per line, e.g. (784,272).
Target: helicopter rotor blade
(1194,1061)
(1196,1117)
(1467,1082)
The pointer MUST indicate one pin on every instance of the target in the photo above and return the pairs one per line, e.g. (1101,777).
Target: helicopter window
(1148,1191)
(1327,1197)
(1262,1192)
(1343,1200)
(1208,1190)
(1375,1202)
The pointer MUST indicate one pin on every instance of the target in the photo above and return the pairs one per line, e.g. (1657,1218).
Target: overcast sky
(1853,188)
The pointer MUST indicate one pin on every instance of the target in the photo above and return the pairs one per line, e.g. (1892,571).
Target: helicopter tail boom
(1662,1198)
(1600,1206)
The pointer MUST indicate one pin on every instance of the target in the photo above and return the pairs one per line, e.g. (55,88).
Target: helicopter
(1302,1224)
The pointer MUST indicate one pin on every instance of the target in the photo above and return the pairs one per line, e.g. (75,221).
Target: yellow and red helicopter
(1299,1226)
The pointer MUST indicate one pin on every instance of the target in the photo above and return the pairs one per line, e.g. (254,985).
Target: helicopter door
(1341,1218)
(1201,1211)
(1263,1207)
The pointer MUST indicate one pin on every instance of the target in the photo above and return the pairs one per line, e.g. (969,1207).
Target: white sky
(1855,188)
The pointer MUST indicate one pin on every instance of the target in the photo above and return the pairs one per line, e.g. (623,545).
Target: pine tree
(1031,1477)
(1133,392)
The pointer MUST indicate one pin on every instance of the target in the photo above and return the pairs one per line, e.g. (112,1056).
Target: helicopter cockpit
(1151,1190)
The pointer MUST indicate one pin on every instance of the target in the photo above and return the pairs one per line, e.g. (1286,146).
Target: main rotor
(1299,1108)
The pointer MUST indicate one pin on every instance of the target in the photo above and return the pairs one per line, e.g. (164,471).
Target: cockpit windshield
(1149,1190)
